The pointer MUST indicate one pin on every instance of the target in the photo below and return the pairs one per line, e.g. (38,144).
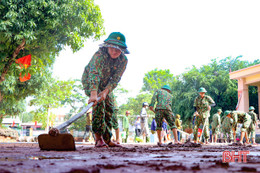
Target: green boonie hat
(118,39)
(202,90)
(167,87)
(251,108)
(226,113)
(219,110)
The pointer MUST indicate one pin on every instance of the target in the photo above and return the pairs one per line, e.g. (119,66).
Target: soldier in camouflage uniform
(226,126)
(163,110)
(99,79)
(216,125)
(202,105)
(253,125)
(245,120)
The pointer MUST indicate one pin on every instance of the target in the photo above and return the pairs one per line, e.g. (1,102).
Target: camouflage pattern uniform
(103,72)
(114,117)
(251,129)
(201,105)
(114,121)
(163,108)
(226,127)
(215,124)
(241,117)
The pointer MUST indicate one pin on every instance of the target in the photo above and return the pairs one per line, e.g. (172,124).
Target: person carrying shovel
(202,105)
(163,109)
(100,78)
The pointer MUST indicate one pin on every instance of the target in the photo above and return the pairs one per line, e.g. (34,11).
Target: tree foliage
(134,105)
(76,101)
(48,97)
(14,93)
(43,28)
(213,76)
(155,79)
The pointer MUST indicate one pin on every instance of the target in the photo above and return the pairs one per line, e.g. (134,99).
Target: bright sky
(171,34)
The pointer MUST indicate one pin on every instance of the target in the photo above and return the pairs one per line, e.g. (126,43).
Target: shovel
(183,132)
(62,142)
(187,134)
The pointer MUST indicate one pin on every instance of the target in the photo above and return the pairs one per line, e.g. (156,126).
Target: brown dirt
(27,158)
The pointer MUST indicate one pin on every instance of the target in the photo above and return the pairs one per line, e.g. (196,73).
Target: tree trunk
(9,63)
(1,119)
(1,97)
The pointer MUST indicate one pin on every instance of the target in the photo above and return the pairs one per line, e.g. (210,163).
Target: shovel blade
(62,142)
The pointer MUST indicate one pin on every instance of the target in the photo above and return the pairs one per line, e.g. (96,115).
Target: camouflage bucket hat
(226,113)
(167,87)
(251,108)
(118,39)
(202,90)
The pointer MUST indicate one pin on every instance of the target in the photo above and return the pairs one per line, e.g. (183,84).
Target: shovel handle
(183,132)
(75,117)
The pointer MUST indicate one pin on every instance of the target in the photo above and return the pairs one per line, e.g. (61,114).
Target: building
(246,77)
(24,129)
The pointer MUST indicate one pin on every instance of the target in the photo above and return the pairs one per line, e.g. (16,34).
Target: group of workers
(227,124)
(102,75)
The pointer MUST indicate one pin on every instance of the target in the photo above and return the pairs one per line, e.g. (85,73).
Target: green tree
(134,105)
(15,92)
(155,79)
(120,94)
(253,96)
(26,117)
(76,101)
(50,96)
(215,78)
(43,28)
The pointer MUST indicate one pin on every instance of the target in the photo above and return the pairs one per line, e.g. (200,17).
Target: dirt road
(27,158)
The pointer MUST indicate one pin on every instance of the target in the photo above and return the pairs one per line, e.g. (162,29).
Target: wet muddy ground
(27,158)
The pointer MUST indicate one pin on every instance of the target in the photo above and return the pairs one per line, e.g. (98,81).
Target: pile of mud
(238,144)
(186,144)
